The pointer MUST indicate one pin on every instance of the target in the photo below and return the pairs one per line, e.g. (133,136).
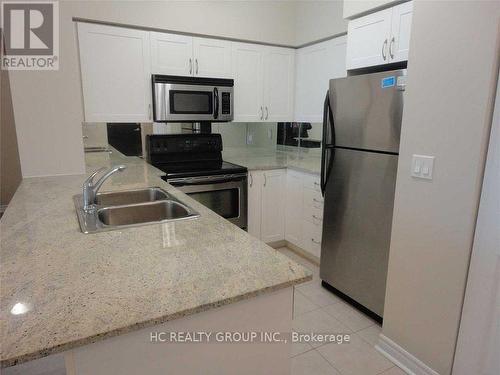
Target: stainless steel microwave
(192,99)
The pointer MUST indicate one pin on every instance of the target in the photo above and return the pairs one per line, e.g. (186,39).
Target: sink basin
(131,208)
(119,198)
(166,210)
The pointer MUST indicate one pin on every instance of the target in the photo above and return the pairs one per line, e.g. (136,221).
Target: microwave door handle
(216,104)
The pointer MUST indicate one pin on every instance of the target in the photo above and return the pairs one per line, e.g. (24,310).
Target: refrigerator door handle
(327,144)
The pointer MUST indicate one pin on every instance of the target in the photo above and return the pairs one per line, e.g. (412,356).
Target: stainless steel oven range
(193,163)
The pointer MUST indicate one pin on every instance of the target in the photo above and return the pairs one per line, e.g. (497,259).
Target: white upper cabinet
(182,55)
(279,69)
(315,66)
(399,45)
(379,38)
(171,54)
(247,70)
(368,40)
(263,82)
(116,77)
(212,58)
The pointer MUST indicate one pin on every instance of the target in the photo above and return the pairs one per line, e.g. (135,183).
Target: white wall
(355,8)
(315,20)
(452,71)
(479,338)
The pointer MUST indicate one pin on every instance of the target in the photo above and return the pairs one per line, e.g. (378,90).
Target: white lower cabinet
(293,211)
(286,205)
(266,203)
(304,212)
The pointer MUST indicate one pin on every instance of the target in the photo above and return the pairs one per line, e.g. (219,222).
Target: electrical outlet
(422,166)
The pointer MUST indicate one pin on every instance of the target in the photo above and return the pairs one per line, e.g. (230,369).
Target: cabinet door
(368,40)
(279,71)
(116,77)
(247,61)
(273,200)
(399,44)
(212,58)
(315,66)
(255,182)
(171,54)
(293,208)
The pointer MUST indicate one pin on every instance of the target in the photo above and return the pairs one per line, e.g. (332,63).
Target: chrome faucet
(90,188)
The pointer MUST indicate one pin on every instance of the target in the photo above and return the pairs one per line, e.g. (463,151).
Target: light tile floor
(318,310)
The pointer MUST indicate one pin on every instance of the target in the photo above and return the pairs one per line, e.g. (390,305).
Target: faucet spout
(98,184)
(90,188)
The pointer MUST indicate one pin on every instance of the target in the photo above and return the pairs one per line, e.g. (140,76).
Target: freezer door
(367,110)
(359,198)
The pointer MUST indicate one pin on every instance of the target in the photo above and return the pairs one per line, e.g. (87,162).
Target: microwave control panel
(226,103)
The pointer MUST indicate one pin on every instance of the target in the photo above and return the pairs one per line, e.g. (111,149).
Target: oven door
(181,102)
(226,195)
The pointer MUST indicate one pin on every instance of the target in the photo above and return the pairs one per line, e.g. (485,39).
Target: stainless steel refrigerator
(361,131)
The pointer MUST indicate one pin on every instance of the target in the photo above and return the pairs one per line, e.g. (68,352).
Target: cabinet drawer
(313,205)
(312,237)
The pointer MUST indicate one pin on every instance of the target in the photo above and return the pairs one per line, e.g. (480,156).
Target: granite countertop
(262,158)
(80,288)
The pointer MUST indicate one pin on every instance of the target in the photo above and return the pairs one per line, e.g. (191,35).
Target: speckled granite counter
(79,288)
(255,158)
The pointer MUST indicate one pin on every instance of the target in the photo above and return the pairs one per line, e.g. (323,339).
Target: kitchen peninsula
(90,302)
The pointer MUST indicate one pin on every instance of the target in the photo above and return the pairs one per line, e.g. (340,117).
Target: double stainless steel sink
(131,208)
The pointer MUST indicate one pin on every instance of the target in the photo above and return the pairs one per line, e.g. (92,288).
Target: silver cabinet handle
(317,218)
(251,180)
(317,200)
(384,45)
(261,113)
(267,113)
(196,62)
(137,129)
(191,66)
(265,179)
(85,137)
(390,48)
(316,183)
(316,242)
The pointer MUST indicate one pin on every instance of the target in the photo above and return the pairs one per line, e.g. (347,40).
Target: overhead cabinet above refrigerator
(379,38)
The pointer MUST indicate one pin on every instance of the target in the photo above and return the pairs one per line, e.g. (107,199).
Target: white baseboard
(400,357)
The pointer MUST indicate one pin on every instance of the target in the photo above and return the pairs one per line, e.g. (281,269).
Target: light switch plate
(422,166)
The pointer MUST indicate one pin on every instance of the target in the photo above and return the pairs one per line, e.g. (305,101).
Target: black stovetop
(189,155)
(200,168)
